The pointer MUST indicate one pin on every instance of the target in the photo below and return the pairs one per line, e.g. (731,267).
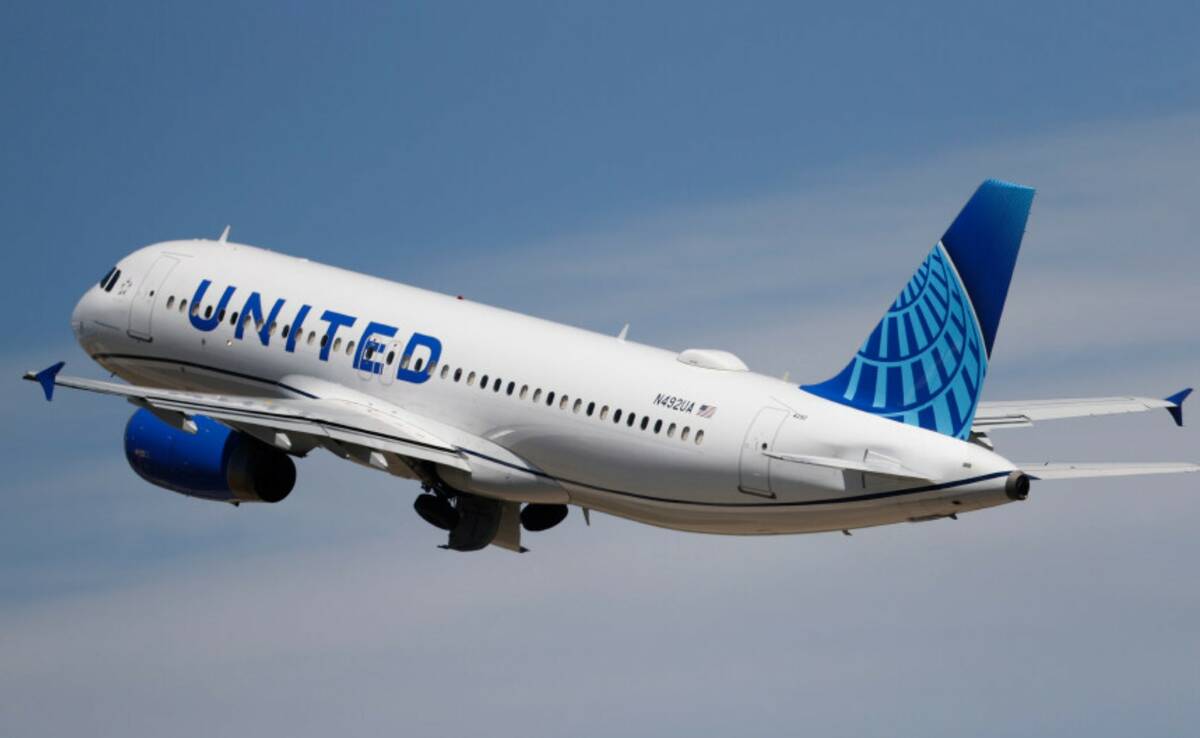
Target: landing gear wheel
(479,521)
(535,517)
(437,511)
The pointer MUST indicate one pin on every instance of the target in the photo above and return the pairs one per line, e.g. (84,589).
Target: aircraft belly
(590,459)
(770,517)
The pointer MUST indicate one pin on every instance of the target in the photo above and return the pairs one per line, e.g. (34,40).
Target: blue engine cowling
(215,463)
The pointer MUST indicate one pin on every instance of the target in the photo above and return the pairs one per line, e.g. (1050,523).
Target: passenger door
(753,468)
(141,309)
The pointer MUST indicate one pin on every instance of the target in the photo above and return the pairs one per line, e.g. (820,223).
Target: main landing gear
(473,521)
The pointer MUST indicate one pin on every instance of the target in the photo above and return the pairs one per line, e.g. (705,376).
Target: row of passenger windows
(496,384)
(576,405)
(311,339)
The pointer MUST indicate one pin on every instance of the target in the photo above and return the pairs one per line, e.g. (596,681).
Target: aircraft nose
(82,315)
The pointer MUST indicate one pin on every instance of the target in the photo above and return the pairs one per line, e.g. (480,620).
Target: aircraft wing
(1020,414)
(348,428)
(1076,471)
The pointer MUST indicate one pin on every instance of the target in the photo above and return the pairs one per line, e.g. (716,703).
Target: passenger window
(591,408)
(657,426)
(391,357)
(208,312)
(404,361)
(562,404)
(511,386)
(549,398)
(699,437)
(471,379)
(496,386)
(417,367)
(686,432)
(578,406)
(524,390)
(604,413)
(312,335)
(445,370)
(617,416)
(170,302)
(182,305)
(645,421)
(233,318)
(221,317)
(324,340)
(483,382)
(286,330)
(629,421)
(433,365)
(458,374)
(349,348)
(337,344)
(537,394)
(671,430)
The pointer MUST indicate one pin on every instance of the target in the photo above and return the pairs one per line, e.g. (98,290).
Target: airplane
(240,360)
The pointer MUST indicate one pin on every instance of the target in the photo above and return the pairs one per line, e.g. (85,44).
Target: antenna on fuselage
(225,235)
(624,332)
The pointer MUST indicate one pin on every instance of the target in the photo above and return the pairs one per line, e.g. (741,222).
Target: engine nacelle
(214,463)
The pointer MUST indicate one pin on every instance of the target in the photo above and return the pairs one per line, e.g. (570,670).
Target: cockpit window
(112,280)
(107,274)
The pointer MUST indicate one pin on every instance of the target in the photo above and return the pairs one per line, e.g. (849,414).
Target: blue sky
(756,179)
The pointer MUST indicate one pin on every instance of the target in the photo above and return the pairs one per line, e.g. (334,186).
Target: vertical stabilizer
(925,362)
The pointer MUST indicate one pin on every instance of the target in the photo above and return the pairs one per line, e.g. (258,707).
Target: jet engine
(214,463)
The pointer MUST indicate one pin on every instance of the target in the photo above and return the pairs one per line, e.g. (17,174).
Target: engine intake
(214,463)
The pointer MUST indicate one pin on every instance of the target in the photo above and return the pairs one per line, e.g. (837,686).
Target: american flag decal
(707,411)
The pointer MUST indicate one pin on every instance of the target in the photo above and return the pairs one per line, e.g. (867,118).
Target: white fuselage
(706,451)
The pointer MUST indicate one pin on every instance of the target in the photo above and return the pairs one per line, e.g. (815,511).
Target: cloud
(134,611)
(1107,258)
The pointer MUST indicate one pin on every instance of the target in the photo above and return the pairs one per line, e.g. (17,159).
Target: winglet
(46,378)
(1176,408)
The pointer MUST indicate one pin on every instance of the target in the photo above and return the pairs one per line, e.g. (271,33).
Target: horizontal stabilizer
(1048,470)
(1023,413)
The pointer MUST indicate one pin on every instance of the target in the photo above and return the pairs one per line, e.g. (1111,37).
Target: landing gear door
(141,310)
(754,465)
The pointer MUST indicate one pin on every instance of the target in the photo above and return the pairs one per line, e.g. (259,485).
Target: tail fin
(924,364)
